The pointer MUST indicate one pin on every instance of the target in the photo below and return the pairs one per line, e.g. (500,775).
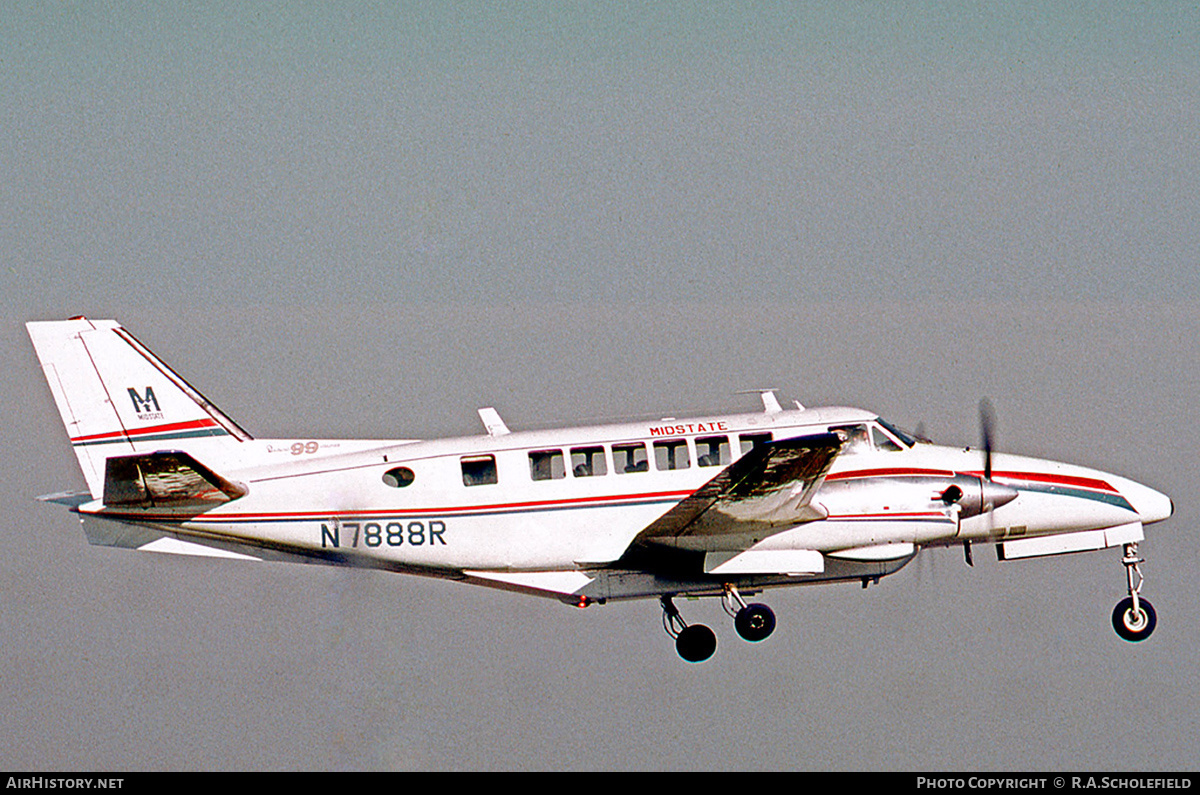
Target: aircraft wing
(765,491)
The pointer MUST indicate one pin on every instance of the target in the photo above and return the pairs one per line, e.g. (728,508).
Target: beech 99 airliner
(722,506)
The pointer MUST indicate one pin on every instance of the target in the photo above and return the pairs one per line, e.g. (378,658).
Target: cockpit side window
(856,436)
(883,441)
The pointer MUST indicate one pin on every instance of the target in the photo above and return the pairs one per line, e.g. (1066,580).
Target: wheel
(754,622)
(696,643)
(1134,626)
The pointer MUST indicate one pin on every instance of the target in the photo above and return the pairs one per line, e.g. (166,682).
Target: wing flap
(766,490)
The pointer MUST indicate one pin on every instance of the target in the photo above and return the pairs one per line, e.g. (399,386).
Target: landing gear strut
(1134,618)
(695,642)
(754,622)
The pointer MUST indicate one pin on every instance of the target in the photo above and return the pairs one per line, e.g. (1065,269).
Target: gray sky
(369,221)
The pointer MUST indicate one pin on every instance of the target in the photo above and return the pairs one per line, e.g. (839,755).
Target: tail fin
(118,398)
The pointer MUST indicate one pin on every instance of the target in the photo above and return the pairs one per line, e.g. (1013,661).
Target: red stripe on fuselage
(898,515)
(579,502)
(615,500)
(1058,480)
(1075,481)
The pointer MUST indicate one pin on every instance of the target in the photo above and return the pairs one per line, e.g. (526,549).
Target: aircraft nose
(1151,505)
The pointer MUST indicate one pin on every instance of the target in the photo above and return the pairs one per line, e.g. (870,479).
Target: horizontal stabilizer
(71,499)
(545,582)
(108,533)
(175,546)
(167,479)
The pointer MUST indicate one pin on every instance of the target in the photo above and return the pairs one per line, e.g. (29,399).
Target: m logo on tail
(144,404)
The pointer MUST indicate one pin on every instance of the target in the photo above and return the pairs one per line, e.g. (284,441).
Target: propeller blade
(987,422)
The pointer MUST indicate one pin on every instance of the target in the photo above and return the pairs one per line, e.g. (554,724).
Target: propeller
(987,424)
(975,496)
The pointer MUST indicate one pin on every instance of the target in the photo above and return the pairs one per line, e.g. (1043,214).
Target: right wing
(767,490)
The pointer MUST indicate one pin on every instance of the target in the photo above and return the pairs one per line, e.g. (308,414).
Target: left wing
(767,490)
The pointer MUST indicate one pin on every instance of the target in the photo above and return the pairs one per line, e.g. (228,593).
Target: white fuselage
(567,499)
(722,505)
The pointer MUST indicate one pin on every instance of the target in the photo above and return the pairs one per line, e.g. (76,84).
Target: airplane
(721,506)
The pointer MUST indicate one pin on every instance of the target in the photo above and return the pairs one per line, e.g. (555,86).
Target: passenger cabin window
(671,454)
(546,465)
(712,451)
(630,457)
(587,462)
(479,470)
(399,477)
(751,440)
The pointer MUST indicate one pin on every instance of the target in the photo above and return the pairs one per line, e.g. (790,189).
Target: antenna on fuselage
(492,422)
(769,401)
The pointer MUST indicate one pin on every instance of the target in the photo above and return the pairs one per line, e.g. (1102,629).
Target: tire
(1131,626)
(754,622)
(696,643)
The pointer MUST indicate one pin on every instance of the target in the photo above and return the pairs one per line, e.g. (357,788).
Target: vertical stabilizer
(118,398)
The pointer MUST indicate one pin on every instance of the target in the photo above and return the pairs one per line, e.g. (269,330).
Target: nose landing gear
(1134,617)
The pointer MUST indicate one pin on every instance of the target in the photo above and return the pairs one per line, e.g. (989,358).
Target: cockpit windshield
(907,438)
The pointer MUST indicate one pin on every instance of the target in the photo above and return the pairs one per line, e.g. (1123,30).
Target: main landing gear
(754,622)
(1134,618)
(696,642)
